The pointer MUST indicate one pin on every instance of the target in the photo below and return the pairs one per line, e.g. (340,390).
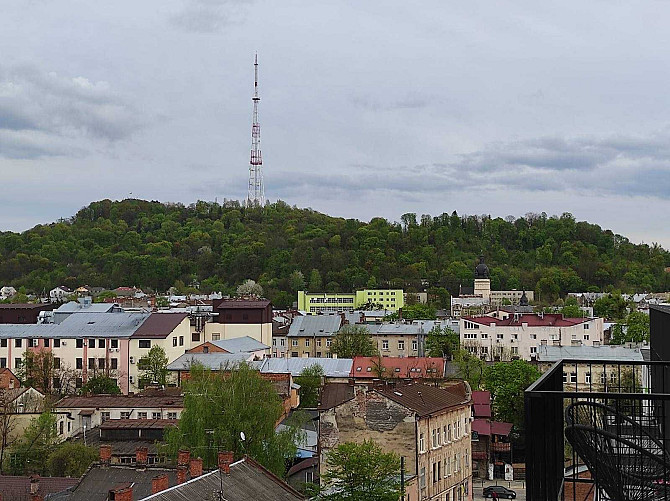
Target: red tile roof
(498,428)
(481,397)
(159,325)
(485,427)
(406,367)
(137,424)
(533,320)
(481,404)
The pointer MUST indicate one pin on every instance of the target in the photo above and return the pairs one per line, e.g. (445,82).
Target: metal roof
(101,324)
(549,353)
(77,307)
(213,361)
(402,328)
(332,367)
(244,344)
(120,402)
(315,325)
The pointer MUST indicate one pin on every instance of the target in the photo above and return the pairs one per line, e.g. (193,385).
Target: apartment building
(517,335)
(402,339)
(240,317)
(311,335)
(427,425)
(85,344)
(314,303)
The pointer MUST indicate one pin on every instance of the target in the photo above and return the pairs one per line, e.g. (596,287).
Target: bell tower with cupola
(482,280)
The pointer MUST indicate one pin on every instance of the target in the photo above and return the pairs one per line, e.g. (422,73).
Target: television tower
(256,195)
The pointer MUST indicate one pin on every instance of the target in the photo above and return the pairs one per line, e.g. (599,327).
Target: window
(603,378)
(3,343)
(415,345)
(294,342)
(318,354)
(3,362)
(401,345)
(433,439)
(485,335)
(125,415)
(318,342)
(145,343)
(56,343)
(195,337)
(587,378)
(533,350)
(470,325)
(17,363)
(113,363)
(181,340)
(447,468)
(105,416)
(101,363)
(47,342)
(174,341)
(444,434)
(385,344)
(499,336)
(80,343)
(56,363)
(78,382)
(586,337)
(515,350)
(422,477)
(172,415)
(586,327)
(79,363)
(91,363)
(328,342)
(439,438)
(61,427)
(449,432)
(114,343)
(18,343)
(565,377)
(141,415)
(91,343)
(101,343)
(435,474)
(305,354)
(422,443)
(282,342)
(306,342)
(294,354)
(155,415)
(573,377)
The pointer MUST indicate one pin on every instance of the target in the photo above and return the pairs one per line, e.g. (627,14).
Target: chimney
(225,459)
(105,454)
(196,467)
(159,483)
(123,492)
(181,473)
(35,489)
(141,456)
(183,457)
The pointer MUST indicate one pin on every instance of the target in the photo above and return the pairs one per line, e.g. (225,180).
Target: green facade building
(328,302)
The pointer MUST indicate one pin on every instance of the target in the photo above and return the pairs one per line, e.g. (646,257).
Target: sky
(368,109)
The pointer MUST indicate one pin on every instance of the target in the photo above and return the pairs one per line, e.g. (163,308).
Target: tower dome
(481,270)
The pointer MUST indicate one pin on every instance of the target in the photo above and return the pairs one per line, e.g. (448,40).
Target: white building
(520,335)
(59,294)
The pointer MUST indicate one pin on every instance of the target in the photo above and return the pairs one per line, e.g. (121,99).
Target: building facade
(335,302)
(242,317)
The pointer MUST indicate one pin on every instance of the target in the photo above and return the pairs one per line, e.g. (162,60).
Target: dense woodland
(155,246)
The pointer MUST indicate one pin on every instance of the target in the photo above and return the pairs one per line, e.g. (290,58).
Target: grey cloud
(56,114)
(408,102)
(210,16)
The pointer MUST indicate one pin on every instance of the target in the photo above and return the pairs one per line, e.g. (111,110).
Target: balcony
(594,441)
(500,447)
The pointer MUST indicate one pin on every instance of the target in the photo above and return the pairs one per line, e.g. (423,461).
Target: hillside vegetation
(155,245)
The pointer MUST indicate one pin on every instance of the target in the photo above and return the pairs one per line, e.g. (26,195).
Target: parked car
(502,492)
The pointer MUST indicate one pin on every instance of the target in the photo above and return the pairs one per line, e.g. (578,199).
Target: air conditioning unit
(132,360)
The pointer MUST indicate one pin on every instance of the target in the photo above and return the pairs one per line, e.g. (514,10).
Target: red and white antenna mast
(256,195)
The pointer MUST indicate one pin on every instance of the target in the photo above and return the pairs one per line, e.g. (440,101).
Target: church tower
(482,280)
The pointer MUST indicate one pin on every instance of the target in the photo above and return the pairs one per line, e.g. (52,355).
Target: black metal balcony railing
(599,431)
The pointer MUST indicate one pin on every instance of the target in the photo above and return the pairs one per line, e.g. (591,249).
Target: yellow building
(324,302)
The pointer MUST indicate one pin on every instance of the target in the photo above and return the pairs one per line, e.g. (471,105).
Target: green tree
(635,328)
(100,298)
(353,341)
(310,379)
(469,368)
(250,288)
(38,441)
(361,472)
(219,406)
(315,281)
(571,308)
(153,367)
(101,384)
(442,342)
(507,381)
(71,459)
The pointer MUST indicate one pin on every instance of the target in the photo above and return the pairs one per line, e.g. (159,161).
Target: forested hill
(155,245)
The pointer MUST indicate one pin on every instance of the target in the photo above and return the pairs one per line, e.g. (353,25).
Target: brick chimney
(225,460)
(183,457)
(123,492)
(35,489)
(159,483)
(105,454)
(196,467)
(141,454)
(181,473)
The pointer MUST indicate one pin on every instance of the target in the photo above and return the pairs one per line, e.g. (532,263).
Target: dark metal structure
(598,431)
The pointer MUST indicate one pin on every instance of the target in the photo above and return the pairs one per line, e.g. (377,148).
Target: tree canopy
(635,328)
(353,341)
(507,381)
(310,384)
(442,342)
(361,472)
(154,245)
(153,366)
(101,384)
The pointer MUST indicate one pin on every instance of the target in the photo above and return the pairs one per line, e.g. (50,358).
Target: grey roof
(244,344)
(98,481)
(213,361)
(82,325)
(247,480)
(332,367)
(398,328)
(547,353)
(77,307)
(315,325)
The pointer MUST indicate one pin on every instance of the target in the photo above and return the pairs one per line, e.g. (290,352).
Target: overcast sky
(368,108)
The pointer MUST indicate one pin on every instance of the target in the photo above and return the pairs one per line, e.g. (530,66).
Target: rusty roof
(425,399)
(334,394)
(242,304)
(159,325)
(17,488)
(137,424)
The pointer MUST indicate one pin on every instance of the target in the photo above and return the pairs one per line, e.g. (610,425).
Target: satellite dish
(242,436)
